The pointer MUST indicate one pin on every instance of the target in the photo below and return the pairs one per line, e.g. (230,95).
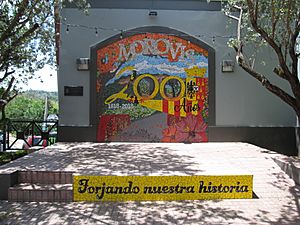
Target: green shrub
(6,157)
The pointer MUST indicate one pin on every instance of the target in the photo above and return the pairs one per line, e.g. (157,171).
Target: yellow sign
(161,188)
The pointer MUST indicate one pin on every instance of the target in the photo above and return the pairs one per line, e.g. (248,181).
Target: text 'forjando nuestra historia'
(111,190)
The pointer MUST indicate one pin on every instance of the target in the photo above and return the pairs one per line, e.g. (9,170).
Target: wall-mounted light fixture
(227,66)
(152,13)
(83,64)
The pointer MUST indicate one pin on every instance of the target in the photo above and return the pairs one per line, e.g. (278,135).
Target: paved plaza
(277,201)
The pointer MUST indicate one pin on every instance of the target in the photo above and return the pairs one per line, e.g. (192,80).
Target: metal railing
(25,134)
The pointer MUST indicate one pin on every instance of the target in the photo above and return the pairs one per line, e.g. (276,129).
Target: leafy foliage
(27,29)
(272,23)
(6,157)
(30,107)
(27,40)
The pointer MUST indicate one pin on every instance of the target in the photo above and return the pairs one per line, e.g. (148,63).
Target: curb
(290,166)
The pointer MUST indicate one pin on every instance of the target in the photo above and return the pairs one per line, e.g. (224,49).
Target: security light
(82,64)
(152,13)
(227,66)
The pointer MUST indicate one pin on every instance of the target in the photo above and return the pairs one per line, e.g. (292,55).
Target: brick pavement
(278,199)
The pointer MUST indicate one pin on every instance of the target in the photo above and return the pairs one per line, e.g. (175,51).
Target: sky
(49,77)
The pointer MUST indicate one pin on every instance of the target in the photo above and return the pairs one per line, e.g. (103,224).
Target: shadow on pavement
(108,159)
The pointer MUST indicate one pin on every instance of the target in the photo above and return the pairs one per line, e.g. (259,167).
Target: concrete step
(45,177)
(28,192)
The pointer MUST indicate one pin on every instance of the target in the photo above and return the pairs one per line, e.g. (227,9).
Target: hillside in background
(53,96)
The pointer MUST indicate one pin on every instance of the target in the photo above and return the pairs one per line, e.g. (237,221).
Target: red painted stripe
(188,107)
(165,106)
(177,107)
(101,129)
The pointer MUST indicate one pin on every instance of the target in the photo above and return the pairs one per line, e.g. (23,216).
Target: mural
(152,87)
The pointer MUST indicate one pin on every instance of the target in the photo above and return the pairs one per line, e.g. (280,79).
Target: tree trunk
(3,116)
(297,132)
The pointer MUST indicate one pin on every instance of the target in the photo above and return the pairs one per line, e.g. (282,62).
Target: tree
(25,107)
(26,46)
(276,24)
(27,40)
(29,107)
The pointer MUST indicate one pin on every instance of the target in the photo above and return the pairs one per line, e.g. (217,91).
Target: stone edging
(291,166)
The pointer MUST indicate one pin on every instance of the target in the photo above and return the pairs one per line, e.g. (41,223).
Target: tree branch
(18,42)
(286,35)
(21,9)
(274,19)
(11,97)
(289,76)
(270,41)
(291,101)
(5,94)
(292,52)
(30,14)
(6,74)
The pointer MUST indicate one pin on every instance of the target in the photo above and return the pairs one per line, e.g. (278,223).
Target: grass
(6,157)
(3,216)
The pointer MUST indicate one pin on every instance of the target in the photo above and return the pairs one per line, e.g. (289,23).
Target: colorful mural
(152,87)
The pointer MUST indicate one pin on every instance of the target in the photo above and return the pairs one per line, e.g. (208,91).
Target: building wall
(240,101)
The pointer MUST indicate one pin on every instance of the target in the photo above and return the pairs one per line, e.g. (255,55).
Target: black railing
(25,134)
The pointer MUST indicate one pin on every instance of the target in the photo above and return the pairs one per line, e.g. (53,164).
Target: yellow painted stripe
(182,112)
(124,69)
(171,107)
(153,104)
(195,113)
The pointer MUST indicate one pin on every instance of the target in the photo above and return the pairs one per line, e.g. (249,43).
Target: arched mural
(152,87)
